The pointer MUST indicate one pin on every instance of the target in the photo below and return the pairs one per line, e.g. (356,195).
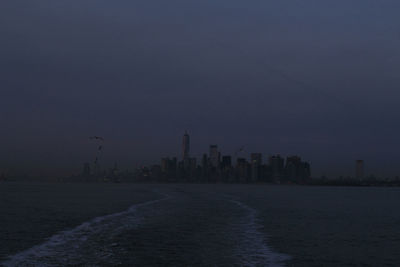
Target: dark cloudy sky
(318,78)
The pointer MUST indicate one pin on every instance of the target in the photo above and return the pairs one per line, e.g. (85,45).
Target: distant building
(256,163)
(242,170)
(359,169)
(306,170)
(297,171)
(192,168)
(227,174)
(169,169)
(256,158)
(164,164)
(292,169)
(226,162)
(276,164)
(186,168)
(214,156)
(204,167)
(186,146)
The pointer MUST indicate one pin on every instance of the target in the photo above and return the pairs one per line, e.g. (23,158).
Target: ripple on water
(188,229)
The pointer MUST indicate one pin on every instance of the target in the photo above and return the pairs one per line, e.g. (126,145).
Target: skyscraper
(165,165)
(256,158)
(242,170)
(186,146)
(214,156)
(226,162)
(276,164)
(293,169)
(256,162)
(204,167)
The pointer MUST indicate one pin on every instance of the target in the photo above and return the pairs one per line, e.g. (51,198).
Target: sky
(314,78)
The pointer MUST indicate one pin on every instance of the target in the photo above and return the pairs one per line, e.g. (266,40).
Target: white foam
(253,249)
(66,247)
(93,241)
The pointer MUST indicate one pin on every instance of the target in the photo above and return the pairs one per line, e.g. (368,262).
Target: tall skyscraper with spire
(186,146)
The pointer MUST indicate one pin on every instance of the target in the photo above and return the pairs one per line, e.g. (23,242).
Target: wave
(253,249)
(96,241)
(72,246)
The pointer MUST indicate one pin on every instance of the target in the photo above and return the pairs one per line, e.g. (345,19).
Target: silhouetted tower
(169,168)
(276,164)
(226,162)
(256,158)
(205,167)
(214,156)
(226,169)
(241,170)
(164,165)
(185,146)
(256,162)
(293,169)
(192,168)
(359,169)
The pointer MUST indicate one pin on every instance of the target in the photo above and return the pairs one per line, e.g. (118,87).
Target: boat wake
(71,247)
(252,249)
(168,230)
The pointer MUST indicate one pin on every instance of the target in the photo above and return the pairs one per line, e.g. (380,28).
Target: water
(86,241)
(197,225)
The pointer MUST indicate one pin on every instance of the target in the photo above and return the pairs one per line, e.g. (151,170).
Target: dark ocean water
(197,225)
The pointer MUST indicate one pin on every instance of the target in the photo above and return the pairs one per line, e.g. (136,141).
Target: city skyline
(214,167)
(214,153)
(219,167)
(310,78)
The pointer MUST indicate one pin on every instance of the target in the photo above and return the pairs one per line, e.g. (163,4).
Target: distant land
(214,168)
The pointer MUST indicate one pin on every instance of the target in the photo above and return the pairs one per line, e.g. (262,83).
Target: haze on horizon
(314,78)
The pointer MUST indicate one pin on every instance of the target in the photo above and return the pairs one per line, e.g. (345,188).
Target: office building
(256,163)
(276,164)
(214,156)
